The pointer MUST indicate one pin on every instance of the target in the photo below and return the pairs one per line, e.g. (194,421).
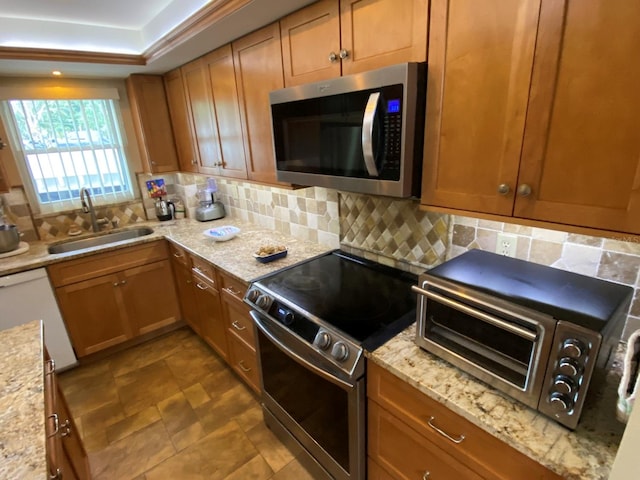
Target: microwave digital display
(393,106)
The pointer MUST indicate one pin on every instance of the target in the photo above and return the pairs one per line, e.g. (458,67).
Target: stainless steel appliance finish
(359,133)
(9,238)
(537,333)
(165,209)
(314,320)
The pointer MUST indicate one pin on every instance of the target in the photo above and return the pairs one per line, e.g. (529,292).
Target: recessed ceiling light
(56,73)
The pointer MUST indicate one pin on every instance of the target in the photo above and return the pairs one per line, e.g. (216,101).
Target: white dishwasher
(28,296)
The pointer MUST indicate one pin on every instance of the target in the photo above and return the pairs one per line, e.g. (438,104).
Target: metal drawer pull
(244,369)
(51,363)
(67,428)
(237,326)
(177,255)
(201,286)
(56,424)
(444,434)
(56,476)
(233,291)
(426,475)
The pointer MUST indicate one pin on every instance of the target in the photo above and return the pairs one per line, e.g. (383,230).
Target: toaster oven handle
(496,322)
(368,122)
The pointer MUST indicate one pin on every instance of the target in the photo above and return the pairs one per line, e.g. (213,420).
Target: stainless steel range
(314,320)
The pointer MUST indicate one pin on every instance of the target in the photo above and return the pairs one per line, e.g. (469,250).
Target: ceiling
(127,27)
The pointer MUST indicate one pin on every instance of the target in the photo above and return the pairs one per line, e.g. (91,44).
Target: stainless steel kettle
(165,210)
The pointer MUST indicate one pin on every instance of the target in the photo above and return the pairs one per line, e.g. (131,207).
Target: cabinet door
(309,38)
(581,153)
(74,451)
(480,60)
(258,64)
(152,122)
(200,107)
(150,297)
(377,33)
(94,313)
(186,295)
(210,316)
(182,128)
(243,360)
(227,111)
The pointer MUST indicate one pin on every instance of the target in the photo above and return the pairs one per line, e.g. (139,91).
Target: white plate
(222,234)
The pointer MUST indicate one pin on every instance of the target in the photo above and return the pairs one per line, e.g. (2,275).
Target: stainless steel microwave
(539,334)
(358,133)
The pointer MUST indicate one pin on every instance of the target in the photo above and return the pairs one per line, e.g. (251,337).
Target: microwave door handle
(496,322)
(367,133)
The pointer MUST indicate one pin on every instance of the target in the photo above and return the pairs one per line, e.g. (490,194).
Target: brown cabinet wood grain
(399,414)
(152,123)
(210,317)
(258,69)
(332,37)
(532,111)
(180,121)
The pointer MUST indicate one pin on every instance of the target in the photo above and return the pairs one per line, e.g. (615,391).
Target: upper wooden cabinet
(177,101)
(333,37)
(532,110)
(258,68)
(152,123)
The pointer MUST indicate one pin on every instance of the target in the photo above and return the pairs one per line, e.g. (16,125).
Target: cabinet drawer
(239,323)
(84,268)
(243,360)
(203,282)
(204,269)
(180,255)
(406,454)
(376,472)
(232,288)
(479,450)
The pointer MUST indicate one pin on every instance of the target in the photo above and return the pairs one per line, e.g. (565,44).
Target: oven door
(500,343)
(306,396)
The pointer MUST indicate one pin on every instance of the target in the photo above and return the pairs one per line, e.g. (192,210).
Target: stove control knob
(573,348)
(253,295)
(569,367)
(263,301)
(340,351)
(560,403)
(562,384)
(322,340)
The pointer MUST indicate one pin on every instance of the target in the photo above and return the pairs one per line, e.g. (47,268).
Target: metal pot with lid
(9,238)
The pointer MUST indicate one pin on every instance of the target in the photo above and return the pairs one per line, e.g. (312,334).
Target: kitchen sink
(100,239)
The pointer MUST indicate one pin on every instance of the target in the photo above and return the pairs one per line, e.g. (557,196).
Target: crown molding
(48,54)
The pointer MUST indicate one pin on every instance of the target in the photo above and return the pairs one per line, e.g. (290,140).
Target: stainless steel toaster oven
(537,333)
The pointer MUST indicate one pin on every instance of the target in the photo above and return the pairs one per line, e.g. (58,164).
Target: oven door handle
(496,322)
(264,328)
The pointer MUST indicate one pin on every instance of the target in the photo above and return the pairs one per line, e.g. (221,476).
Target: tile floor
(170,408)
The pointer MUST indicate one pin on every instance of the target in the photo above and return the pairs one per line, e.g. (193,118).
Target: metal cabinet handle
(56,424)
(242,367)
(333,57)
(123,282)
(524,190)
(201,286)
(115,284)
(66,428)
(178,255)
(237,326)
(426,475)
(503,189)
(443,433)
(344,54)
(233,291)
(56,476)
(51,363)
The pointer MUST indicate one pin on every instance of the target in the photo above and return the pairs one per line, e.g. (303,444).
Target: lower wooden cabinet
(108,298)
(211,323)
(412,436)
(66,456)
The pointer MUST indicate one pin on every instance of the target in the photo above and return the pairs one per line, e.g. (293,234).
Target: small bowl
(222,234)
(270,258)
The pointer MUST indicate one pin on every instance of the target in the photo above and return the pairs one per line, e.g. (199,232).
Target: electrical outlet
(506,244)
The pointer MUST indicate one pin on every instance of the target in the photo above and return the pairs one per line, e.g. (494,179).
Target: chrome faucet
(87,207)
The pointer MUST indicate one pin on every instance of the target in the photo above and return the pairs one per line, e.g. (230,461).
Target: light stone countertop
(584,454)
(22,422)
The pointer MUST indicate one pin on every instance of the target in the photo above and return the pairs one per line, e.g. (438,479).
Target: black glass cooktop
(368,301)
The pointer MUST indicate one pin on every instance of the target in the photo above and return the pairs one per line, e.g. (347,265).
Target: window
(70,144)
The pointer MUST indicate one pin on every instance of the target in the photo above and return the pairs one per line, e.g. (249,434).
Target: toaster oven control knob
(569,367)
(560,403)
(573,348)
(322,340)
(340,351)
(562,384)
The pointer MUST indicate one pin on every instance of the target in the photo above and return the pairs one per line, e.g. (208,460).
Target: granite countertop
(584,454)
(235,255)
(22,422)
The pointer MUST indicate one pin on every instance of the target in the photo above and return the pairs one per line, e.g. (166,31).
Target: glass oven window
(503,353)
(318,406)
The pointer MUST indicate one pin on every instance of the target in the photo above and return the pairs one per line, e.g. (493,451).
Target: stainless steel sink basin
(102,239)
